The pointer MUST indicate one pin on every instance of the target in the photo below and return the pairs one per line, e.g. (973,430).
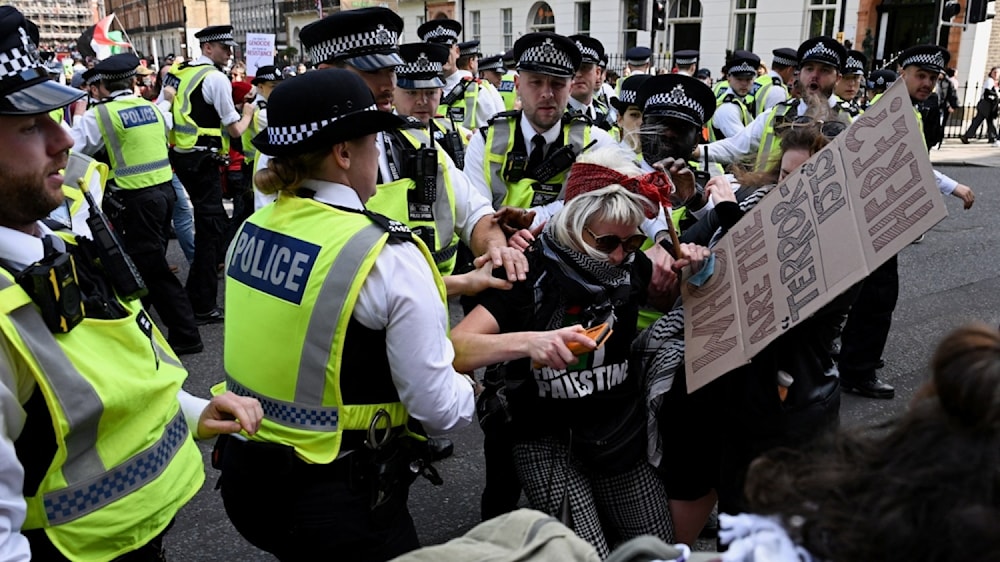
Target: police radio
(451,141)
(559,161)
(52,284)
(420,165)
(125,278)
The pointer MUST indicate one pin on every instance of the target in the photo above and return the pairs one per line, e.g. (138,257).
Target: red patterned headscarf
(655,186)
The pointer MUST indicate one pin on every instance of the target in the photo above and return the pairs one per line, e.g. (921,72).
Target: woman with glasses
(576,411)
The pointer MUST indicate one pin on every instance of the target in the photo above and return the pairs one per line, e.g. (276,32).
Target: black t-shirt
(598,398)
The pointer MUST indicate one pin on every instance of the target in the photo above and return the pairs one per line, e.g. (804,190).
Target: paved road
(949,279)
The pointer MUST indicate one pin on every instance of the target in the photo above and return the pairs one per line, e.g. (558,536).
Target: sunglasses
(609,243)
(829,129)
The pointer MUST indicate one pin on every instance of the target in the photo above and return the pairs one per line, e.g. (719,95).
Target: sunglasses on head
(828,129)
(608,243)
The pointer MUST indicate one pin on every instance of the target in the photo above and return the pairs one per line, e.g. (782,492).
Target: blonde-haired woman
(579,419)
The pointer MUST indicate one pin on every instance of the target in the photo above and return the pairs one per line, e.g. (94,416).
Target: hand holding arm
(229,413)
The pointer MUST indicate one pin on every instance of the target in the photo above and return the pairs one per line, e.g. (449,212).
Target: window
(583,18)
(746,19)
(507,21)
(475,24)
(822,15)
(542,18)
(635,19)
(683,9)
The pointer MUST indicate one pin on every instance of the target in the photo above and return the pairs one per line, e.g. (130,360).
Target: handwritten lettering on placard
(843,213)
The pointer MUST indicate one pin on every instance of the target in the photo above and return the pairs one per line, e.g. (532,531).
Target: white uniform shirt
(487,105)
(731,149)
(416,327)
(775,94)
(86,133)
(578,107)
(217,91)
(16,386)
(728,118)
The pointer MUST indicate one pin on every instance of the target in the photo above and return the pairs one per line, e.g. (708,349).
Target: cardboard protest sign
(846,211)
(260,51)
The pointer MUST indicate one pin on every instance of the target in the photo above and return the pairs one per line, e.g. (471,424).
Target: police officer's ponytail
(286,173)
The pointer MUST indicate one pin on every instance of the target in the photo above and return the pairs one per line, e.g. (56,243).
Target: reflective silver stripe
(185,109)
(79,499)
(76,169)
(764,150)
(471,103)
(165,356)
(318,344)
(444,219)
(289,414)
(142,168)
(111,140)
(79,401)
(502,131)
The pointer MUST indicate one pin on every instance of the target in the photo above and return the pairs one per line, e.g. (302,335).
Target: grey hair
(612,204)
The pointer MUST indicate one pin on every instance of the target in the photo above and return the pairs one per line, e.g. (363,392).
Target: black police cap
(927,57)
(365,38)
(25,88)
(440,31)
(545,52)
(824,50)
(422,66)
(677,96)
(318,110)
(591,49)
(216,34)
(629,92)
(117,67)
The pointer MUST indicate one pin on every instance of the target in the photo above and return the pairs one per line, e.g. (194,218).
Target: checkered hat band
(854,64)
(356,44)
(821,52)
(498,65)
(13,62)
(677,97)
(419,68)
(119,76)
(742,68)
(547,55)
(268,77)
(783,61)
(627,96)
(925,59)
(589,55)
(216,37)
(468,51)
(295,134)
(441,32)
(90,81)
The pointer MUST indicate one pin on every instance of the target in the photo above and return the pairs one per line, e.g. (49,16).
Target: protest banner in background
(260,51)
(846,211)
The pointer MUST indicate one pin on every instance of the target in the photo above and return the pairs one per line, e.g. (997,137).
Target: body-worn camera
(52,284)
(420,165)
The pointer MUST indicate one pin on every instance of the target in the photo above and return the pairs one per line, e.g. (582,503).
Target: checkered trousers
(607,509)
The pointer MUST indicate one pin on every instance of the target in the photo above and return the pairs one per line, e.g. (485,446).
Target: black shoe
(214,316)
(188,349)
(964,139)
(870,388)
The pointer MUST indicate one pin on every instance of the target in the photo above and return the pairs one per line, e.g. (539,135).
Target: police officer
(586,81)
(637,61)
(492,70)
(362,313)
(130,134)
(736,108)
(243,203)
(95,430)
(820,60)
(867,328)
(626,131)
(878,82)
(464,98)
(686,61)
(418,94)
(508,85)
(850,81)
(772,88)
(364,41)
(205,118)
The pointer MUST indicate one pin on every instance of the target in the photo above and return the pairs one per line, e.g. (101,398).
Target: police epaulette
(776,81)
(396,229)
(512,114)
(411,122)
(262,104)
(729,97)
(568,118)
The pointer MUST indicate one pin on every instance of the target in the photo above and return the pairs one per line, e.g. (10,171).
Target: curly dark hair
(924,487)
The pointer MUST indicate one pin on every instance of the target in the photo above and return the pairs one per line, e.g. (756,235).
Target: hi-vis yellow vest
(527,192)
(185,132)
(463,110)
(295,270)
(74,211)
(392,200)
(249,150)
(135,136)
(125,461)
(508,90)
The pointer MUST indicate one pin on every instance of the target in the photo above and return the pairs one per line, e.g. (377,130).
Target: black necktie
(537,152)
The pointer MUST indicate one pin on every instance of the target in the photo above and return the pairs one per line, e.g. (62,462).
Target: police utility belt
(382,462)
(53,283)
